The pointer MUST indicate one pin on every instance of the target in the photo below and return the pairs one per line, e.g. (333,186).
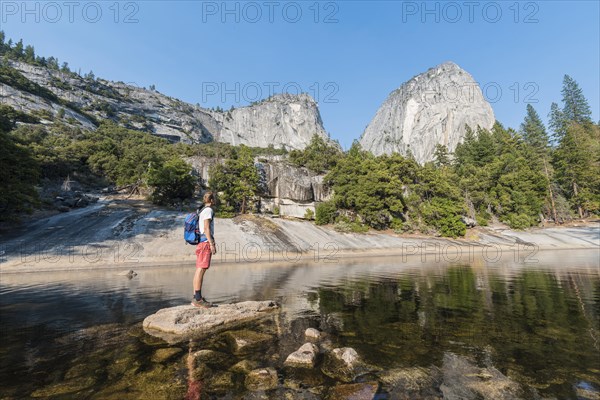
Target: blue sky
(348,54)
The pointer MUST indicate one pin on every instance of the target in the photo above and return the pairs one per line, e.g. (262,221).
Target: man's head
(209,199)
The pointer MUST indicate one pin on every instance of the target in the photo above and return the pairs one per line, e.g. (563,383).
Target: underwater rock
(244,366)
(412,383)
(162,355)
(247,341)
(312,333)
(354,391)
(176,324)
(304,357)
(463,380)
(344,364)
(262,379)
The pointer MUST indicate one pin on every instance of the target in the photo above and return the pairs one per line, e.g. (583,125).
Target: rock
(128,273)
(355,391)
(244,366)
(262,379)
(343,364)
(412,383)
(221,382)
(162,355)
(469,222)
(202,363)
(463,380)
(246,341)
(312,333)
(283,120)
(176,324)
(432,108)
(304,357)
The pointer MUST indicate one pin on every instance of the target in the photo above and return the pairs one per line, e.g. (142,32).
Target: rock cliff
(432,108)
(282,120)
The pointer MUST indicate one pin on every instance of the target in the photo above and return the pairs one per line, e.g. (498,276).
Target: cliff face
(432,108)
(282,120)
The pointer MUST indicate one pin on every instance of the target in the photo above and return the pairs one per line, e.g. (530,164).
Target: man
(205,249)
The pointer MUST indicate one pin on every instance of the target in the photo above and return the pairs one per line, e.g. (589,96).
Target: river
(77,334)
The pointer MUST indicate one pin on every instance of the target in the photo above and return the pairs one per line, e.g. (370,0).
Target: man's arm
(209,237)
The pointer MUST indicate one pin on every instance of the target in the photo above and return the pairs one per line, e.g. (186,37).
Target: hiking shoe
(201,303)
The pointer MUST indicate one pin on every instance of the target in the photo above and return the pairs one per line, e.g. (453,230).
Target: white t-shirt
(207,213)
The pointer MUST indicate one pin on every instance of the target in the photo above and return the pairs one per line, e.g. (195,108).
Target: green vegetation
(318,156)
(235,181)
(172,181)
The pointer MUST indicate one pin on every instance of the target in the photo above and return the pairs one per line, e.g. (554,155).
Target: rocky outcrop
(179,323)
(289,189)
(432,108)
(283,120)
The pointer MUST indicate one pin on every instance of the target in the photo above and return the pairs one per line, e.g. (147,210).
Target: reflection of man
(205,249)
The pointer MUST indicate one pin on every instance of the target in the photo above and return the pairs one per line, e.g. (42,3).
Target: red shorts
(203,255)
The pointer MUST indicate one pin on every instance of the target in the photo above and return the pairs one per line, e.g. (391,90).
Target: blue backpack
(191,230)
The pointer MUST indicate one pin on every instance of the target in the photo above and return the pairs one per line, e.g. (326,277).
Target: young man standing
(205,249)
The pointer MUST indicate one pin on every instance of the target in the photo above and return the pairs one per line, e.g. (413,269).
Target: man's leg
(198,278)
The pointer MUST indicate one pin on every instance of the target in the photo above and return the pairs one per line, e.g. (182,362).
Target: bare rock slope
(282,120)
(432,108)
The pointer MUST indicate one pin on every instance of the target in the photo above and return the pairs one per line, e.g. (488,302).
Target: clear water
(538,320)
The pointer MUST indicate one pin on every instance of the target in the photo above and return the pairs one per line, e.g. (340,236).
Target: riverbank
(126,233)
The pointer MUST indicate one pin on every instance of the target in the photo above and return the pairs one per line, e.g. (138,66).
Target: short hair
(208,197)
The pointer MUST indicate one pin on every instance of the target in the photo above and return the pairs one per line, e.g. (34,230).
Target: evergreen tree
(2,38)
(534,131)
(29,54)
(575,105)
(577,162)
(18,50)
(557,121)
(441,157)
(236,181)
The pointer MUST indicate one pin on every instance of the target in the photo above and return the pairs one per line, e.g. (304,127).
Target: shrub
(309,214)
(520,221)
(325,213)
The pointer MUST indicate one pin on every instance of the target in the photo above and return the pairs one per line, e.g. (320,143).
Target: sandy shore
(130,234)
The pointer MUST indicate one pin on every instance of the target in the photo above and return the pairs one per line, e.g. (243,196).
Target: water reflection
(538,322)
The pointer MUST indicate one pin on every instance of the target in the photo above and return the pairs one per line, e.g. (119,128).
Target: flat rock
(176,324)
(304,357)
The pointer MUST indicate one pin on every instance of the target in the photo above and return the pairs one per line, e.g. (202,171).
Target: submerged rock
(344,364)
(463,380)
(262,379)
(412,383)
(162,355)
(312,333)
(247,341)
(304,357)
(179,323)
(355,391)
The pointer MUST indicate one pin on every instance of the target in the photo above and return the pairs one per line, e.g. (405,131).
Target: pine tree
(557,121)
(575,105)
(441,157)
(534,134)
(18,50)
(534,131)
(29,54)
